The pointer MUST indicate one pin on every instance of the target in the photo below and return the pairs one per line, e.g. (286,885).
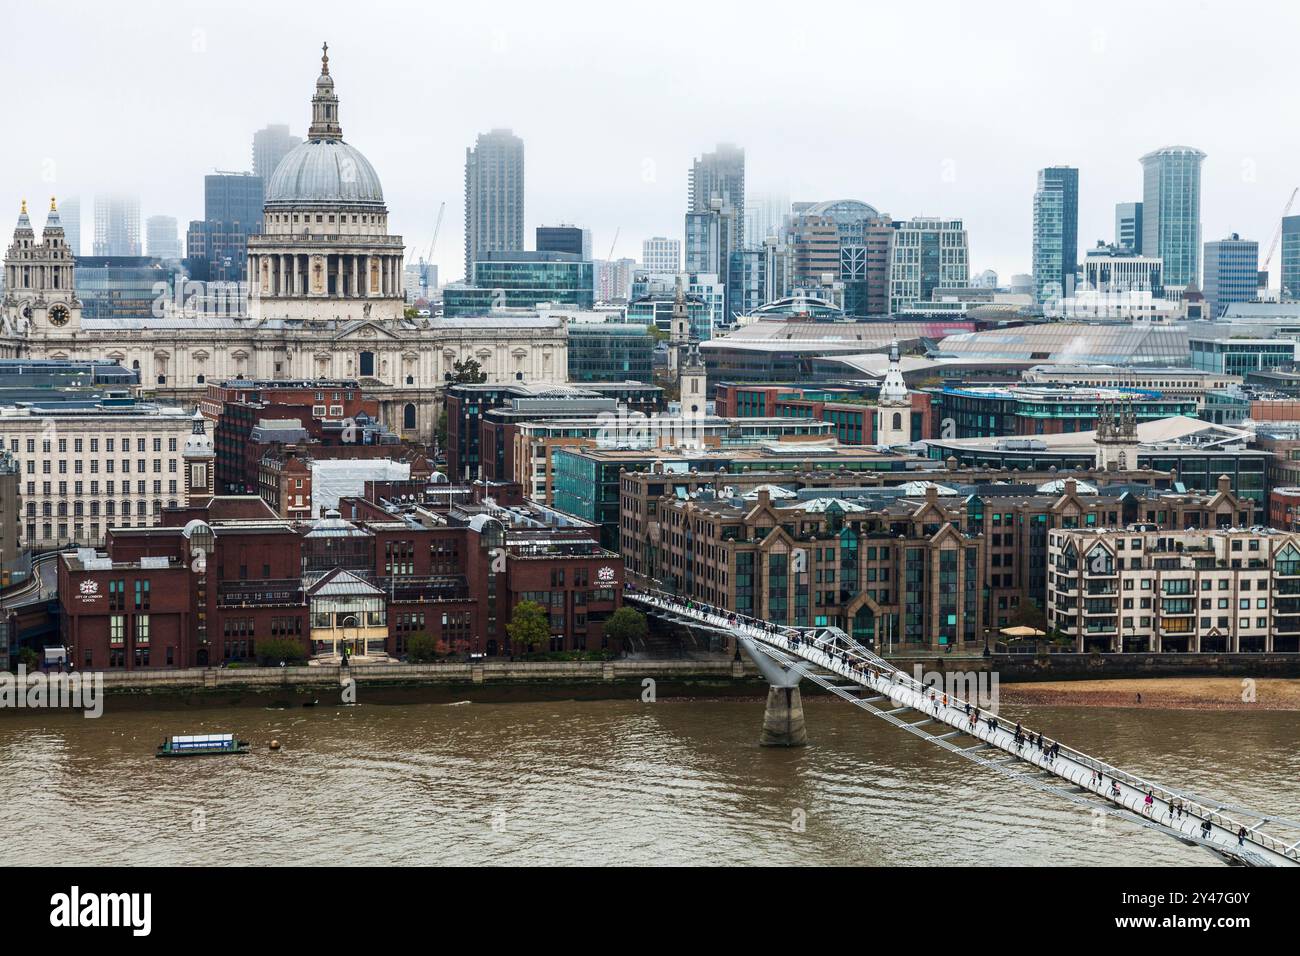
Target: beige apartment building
(1150,591)
(83,469)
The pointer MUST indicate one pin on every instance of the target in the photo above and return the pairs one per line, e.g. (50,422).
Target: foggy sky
(941,108)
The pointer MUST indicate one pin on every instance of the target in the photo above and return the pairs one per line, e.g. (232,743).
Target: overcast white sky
(935,108)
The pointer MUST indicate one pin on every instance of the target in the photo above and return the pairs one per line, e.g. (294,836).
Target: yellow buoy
(275,745)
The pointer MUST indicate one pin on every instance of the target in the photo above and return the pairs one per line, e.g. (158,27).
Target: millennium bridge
(827,656)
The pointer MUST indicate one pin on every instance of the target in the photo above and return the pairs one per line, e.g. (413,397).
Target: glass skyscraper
(1128,226)
(522,280)
(494,196)
(1231,273)
(1171,212)
(1056,232)
(1290,258)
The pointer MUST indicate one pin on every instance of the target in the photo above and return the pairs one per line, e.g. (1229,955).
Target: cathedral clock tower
(40,279)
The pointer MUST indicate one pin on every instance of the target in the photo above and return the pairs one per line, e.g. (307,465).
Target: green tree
(421,648)
(272,650)
(626,625)
(440,429)
(29,658)
(410,312)
(467,372)
(658,334)
(529,624)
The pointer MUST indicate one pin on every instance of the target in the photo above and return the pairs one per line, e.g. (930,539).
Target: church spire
(325,104)
(52,221)
(24,228)
(893,390)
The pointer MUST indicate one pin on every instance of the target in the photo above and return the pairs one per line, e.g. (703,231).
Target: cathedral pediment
(363,330)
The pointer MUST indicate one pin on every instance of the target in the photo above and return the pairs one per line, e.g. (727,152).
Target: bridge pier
(783,723)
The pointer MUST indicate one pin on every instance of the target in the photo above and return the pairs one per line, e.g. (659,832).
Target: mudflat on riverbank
(1165,693)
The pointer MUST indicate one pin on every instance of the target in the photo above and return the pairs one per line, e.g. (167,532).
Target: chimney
(1225,484)
(1071,487)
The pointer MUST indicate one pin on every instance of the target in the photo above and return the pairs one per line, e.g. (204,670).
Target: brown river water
(608,782)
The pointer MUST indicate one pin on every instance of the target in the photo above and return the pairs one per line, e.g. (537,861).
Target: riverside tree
(529,624)
(626,625)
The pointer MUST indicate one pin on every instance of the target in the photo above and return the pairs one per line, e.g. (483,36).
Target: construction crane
(428,256)
(1277,233)
(610,257)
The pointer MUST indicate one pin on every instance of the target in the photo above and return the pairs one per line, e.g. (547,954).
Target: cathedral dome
(325,171)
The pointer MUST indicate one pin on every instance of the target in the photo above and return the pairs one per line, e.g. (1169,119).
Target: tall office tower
(1171,212)
(1290,253)
(162,239)
(117,226)
(494,196)
(564,238)
(711,237)
(217,244)
(719,175)
(841,241)
(1128,226)
(662,256)
(927,254)
(1231,273)
(270,145)
(70,212)
(1056,232)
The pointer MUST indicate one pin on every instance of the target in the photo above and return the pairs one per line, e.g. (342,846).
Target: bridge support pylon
(783,721)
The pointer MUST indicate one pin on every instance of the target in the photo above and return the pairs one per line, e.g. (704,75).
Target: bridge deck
(1067,773)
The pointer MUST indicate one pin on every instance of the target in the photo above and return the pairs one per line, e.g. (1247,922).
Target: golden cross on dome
(53,208)
(324,59)
(24,209)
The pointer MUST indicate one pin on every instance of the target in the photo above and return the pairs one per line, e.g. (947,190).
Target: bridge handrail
(868,661)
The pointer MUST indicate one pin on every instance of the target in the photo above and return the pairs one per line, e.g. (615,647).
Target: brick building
(217,579)
(328,411)
(851,414)
(690,533)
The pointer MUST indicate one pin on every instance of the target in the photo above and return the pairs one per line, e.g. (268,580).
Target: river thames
(673,782)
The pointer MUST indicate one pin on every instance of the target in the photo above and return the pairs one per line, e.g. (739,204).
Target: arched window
(367,363)
(898,420)
(408,416)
